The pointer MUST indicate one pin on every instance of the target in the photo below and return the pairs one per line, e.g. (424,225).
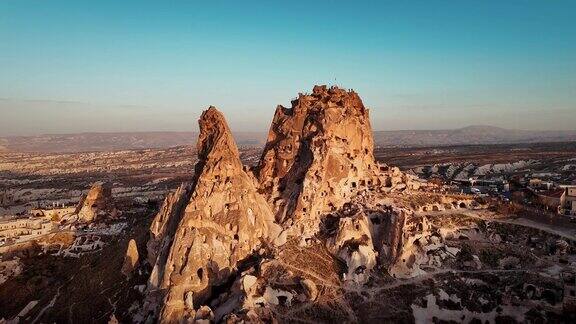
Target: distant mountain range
(85,142)
(468,136)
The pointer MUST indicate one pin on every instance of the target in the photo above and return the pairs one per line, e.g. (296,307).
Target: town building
(568,200)
(495,186)
(550,199)
(539,184)
(54,214)
(16,230)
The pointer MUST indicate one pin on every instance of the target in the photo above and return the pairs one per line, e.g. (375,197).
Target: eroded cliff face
(224,222)
(162,231)
(352,242)
(318,153)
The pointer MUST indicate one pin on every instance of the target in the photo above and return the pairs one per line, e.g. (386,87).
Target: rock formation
(317,198)
(97,204)
(131,258)
(163,229)
(316,232)
(353,244)
(318,153)
(223,223)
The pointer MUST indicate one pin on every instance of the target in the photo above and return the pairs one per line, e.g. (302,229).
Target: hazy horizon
(265,131)
(71,67)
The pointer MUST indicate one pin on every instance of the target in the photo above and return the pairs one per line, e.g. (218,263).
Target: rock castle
(218,242)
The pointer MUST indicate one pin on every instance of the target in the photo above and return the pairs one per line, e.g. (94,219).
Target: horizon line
(266,131)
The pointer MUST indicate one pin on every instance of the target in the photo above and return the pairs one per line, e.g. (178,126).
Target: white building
(15,230)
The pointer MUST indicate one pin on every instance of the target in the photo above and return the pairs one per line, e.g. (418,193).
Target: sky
(84,66)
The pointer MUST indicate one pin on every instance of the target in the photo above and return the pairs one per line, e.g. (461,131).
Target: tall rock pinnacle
(224,221)
(318,153)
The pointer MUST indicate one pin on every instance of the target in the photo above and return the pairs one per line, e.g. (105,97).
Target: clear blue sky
(69,66)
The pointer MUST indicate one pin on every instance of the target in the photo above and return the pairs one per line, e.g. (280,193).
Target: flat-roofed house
(551,199)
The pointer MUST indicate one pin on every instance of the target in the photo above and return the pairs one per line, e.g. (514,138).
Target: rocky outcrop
(131,258)
(318,154)
(97,204)
(422,244)
(238,241)
(162,231)
(387,227)
(310,289)
(352,243)
(224,222)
